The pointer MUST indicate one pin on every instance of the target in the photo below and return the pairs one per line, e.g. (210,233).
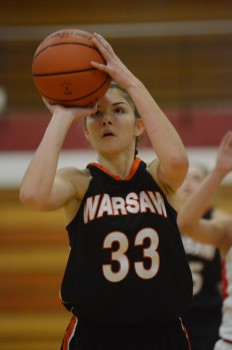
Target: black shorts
(203,327)
(84,336)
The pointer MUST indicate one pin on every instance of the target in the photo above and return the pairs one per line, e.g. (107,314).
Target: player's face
(192,181)
(114,128)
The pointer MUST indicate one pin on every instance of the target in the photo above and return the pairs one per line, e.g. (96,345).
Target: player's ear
(139,127)
(86,132)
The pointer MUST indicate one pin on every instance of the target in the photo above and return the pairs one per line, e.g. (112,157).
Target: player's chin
(110,148)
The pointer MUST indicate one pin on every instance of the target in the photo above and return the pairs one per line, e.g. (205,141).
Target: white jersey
(226,326)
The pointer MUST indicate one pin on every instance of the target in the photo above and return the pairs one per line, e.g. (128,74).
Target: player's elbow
(185,227)
(32,199)
(181,224)
(178,168)
(180,163)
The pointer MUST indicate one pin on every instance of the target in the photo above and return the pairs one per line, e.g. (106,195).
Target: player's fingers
(100,66)
(102,44)
(227,139)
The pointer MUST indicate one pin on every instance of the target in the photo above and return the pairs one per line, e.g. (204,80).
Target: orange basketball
(62,72)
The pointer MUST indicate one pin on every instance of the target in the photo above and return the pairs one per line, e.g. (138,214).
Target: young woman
(217,231)
(204,318)
(127,280)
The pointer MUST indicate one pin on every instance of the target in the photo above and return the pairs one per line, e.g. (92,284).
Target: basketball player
(127,280)
(217,231)
(204,318)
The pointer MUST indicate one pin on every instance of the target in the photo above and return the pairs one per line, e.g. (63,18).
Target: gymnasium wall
(181,50)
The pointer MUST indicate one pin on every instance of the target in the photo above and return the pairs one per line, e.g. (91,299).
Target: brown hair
(114,85)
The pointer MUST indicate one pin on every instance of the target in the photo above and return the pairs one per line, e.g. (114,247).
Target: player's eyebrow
(118,103)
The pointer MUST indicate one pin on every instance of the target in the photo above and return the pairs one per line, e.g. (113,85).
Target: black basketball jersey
(205,264)
(127,264)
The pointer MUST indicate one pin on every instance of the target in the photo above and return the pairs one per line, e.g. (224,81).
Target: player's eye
(97,114)
(119,110)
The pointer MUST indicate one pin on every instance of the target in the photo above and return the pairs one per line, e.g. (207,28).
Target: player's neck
(119,166)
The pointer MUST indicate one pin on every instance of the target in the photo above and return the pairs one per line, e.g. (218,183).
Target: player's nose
(107,119)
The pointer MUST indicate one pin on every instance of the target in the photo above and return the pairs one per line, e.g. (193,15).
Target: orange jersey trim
(133,169)
(224,280)
(69,333)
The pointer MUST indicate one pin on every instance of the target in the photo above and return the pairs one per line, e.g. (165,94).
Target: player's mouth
(107,134)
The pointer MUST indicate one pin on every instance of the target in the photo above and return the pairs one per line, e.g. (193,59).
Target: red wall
(23,131)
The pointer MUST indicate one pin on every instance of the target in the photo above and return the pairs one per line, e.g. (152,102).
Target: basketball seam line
(63,43)
(64,73)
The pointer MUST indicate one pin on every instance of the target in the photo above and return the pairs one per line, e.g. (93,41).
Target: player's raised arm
(189,216)
(42,188)
(172,164)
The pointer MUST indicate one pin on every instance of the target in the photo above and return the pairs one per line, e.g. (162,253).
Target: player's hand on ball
(114,66)
(74,113)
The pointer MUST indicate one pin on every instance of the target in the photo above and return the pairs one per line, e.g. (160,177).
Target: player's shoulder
(72,172)
(222,223)
(78,178)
